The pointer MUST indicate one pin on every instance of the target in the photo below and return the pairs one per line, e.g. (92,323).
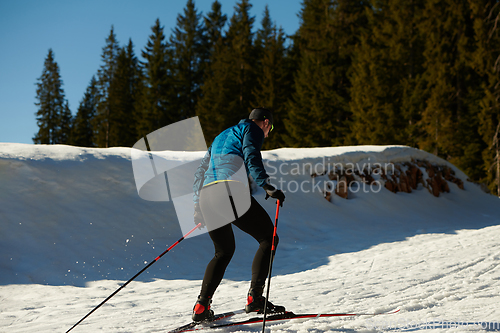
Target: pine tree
(486,14)
(190,55)
(213,94)
(82,132)
(226,93)
(214,23)
(319,108)
(104,78)
(156,97)
(242,60)
(122,96)
(53,115)
(450,116)
(274,81)
(265,33)
(386,79)
(66,123)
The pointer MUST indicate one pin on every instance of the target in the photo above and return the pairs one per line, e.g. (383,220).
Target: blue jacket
(238,143)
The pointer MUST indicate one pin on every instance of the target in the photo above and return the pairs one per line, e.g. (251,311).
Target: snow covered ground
(73,229)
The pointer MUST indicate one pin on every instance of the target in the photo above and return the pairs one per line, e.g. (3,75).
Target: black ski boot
(201,310)
(256,302)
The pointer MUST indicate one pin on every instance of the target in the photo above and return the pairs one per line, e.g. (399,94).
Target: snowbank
(71,215)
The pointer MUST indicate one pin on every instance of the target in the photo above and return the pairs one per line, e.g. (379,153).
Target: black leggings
(255,222)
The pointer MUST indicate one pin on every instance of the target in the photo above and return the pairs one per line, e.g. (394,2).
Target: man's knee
(267,243)
(226,253)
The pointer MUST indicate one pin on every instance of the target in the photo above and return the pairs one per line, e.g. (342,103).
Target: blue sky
(76,32)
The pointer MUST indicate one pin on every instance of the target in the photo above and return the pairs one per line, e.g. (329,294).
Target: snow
(73,229)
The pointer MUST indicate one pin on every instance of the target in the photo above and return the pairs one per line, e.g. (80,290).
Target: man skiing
(221,198)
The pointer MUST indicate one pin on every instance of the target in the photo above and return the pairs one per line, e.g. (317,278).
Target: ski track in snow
(73,230)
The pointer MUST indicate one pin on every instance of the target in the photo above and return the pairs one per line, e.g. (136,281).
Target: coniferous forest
(422,73)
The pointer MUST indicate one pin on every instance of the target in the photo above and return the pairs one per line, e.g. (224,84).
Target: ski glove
(273,192)
(198,217)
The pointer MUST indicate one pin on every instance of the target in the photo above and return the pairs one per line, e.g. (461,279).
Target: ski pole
(273,252)
(139,273)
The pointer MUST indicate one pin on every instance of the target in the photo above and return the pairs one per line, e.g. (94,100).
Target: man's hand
(198,217)
(273,192)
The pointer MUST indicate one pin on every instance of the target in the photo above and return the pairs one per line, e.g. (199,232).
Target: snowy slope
(73,229)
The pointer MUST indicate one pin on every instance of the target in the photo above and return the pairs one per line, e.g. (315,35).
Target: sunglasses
(272,127)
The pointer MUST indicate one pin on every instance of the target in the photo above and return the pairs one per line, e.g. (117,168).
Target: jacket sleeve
(199,176)
(253,137)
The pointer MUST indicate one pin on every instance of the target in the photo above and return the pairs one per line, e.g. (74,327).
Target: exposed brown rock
(405,178)
(404,183)
(391,185)
(342,187)
(415,176)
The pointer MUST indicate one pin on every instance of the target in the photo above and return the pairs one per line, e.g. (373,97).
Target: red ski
(272,318)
